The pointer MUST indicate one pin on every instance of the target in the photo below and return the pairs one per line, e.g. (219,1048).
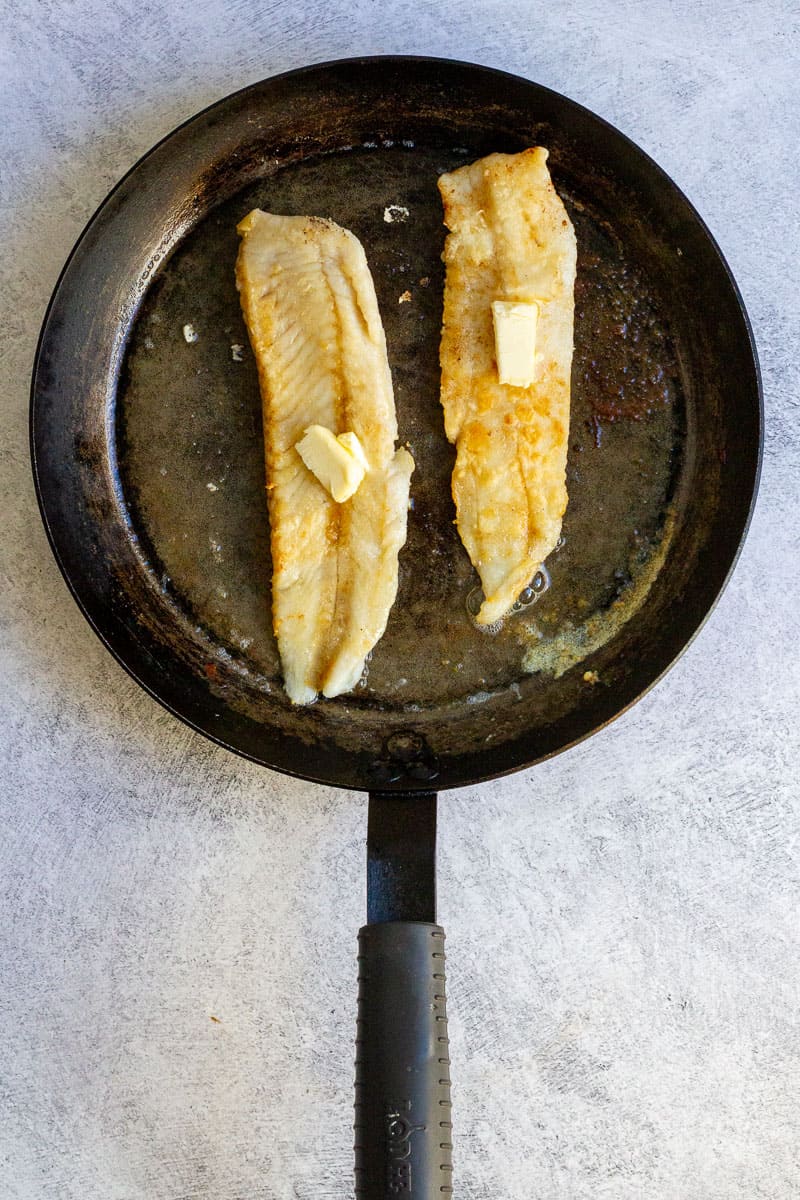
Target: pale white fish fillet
(312,316)
(510,239)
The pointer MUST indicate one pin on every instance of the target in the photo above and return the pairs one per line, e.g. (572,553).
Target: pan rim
(492,770)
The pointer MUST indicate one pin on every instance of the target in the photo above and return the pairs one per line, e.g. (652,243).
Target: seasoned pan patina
(148,449)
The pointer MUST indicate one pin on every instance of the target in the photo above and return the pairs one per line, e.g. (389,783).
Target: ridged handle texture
(402,1110)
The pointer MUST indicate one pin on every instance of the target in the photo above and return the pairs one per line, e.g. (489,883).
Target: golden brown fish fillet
(510,239)
(311,313)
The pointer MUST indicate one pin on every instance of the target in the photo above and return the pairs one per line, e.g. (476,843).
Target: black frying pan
(149,470)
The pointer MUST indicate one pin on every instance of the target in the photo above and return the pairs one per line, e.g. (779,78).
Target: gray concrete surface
(623,921)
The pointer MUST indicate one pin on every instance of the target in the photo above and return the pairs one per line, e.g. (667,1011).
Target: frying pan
(148,464)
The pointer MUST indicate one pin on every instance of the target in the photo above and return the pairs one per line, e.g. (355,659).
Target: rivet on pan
(423,771)
(405,745)
(384,771)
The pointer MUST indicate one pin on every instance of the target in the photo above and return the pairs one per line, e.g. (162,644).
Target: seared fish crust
(312,316)
(510,239)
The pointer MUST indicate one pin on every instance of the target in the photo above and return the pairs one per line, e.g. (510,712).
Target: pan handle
(402,1107)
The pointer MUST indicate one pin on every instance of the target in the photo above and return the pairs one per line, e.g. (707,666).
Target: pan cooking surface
(148,447)
(189,424)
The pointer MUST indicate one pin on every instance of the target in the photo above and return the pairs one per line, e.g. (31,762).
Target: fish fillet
(510,239)
(312,316)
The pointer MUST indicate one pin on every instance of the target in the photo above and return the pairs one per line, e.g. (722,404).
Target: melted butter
(574,643)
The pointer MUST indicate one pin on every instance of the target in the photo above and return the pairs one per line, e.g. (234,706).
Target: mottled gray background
(623,922)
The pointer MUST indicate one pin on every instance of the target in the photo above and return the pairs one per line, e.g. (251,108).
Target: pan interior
(189,446)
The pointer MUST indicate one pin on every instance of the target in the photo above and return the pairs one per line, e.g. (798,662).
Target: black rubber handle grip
(403,1116)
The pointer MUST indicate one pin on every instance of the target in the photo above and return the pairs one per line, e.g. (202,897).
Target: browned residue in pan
(628,368)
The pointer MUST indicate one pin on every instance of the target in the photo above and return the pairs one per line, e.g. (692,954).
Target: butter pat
(353,445)
(339,463)
(515,325)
